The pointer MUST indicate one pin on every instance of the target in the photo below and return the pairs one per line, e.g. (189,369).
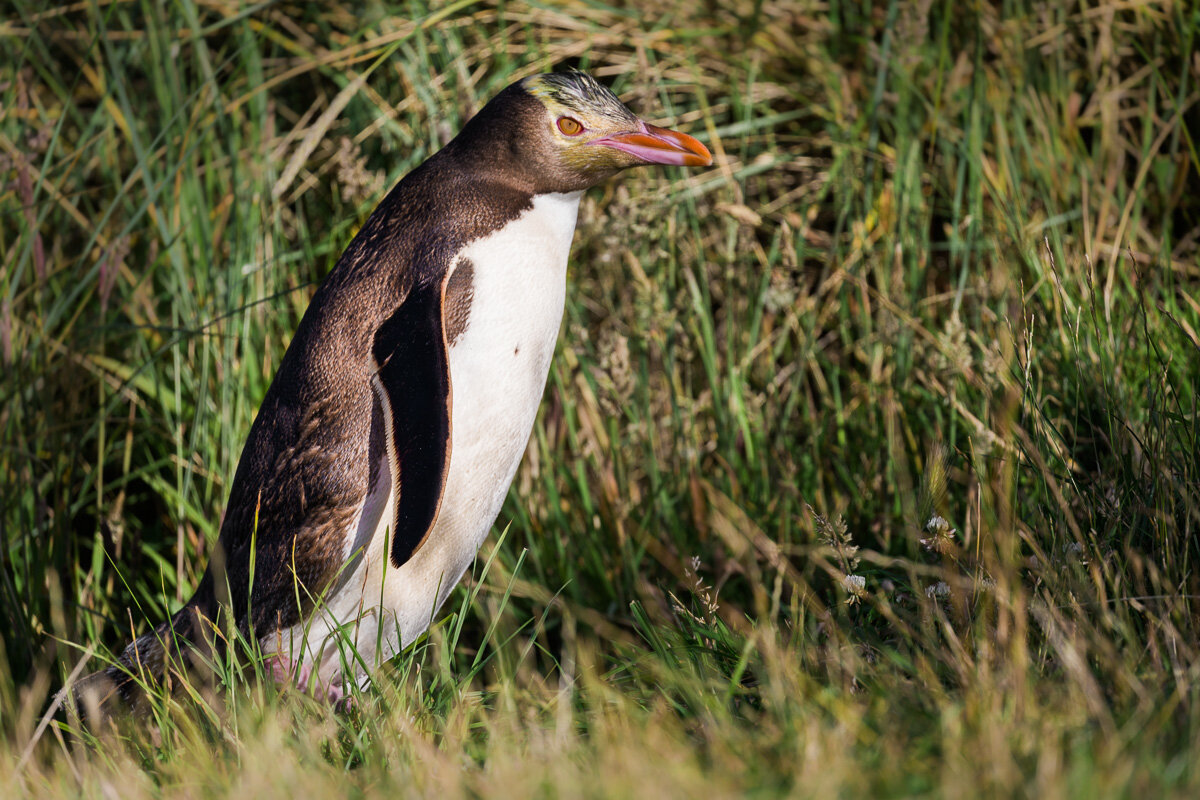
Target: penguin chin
(583,172)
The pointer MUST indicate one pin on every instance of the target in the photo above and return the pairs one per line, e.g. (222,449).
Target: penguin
(387,441)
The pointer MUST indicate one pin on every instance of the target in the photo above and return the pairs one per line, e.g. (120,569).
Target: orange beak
(654,145)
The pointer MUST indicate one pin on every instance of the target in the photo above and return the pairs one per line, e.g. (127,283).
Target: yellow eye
(569,126)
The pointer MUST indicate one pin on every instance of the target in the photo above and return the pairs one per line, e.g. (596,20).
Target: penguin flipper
(413,386)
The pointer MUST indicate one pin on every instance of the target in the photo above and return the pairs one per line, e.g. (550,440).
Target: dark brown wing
(413,385)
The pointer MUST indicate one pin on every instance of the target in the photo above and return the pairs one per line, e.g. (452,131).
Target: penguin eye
(569,126)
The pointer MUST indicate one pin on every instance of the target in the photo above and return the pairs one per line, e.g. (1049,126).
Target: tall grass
(869,460)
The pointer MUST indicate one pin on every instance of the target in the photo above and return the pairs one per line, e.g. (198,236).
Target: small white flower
(939,589)
(937,525)
(856,587)
(942,534)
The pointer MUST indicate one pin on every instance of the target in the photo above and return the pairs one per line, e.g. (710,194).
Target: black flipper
(413,383)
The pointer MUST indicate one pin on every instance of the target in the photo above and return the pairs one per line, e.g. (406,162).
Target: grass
(869,461)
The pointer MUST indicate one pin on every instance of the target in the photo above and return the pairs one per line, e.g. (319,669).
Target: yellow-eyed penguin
(385,446)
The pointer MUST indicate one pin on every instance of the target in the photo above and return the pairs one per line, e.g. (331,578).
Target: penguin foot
(281,669)
(345,704)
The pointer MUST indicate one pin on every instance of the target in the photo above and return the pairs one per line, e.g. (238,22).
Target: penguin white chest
(498,369)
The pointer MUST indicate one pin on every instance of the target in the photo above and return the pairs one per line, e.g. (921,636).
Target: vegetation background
(870,459)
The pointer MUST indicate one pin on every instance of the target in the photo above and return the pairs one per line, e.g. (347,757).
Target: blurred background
(878,437)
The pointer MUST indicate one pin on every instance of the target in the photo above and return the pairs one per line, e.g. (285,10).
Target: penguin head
(564,131)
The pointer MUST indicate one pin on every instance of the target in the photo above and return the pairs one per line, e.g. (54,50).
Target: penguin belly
(499,361)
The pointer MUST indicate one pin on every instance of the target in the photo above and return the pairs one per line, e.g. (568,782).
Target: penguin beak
(653,145)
